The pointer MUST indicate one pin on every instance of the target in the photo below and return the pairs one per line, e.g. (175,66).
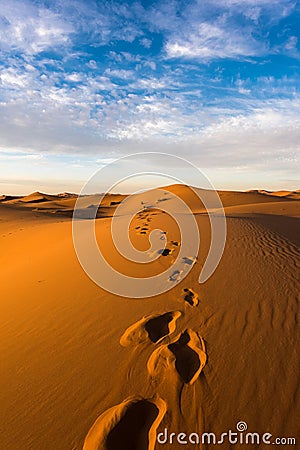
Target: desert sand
(83,368)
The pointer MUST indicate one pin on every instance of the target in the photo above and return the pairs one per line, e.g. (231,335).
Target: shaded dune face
(132,431)
(158,327)
(187,360)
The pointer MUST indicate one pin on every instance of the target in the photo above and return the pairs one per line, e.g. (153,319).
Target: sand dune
(83,368)
(63,204)
(286,194)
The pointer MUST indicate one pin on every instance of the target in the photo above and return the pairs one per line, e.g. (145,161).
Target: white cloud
(253,13)
(146,42)
(47,108)
(143,130)
(267,137)
(270,117)
(31,28)
(75,77)
(151,83)
(11,78)
(213,40)
(120,73)
(291,43)
(214,29)
(129,57)
(65,119)
(264,139)
(151,64)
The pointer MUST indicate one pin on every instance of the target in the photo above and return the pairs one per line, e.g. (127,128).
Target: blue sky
(84,82)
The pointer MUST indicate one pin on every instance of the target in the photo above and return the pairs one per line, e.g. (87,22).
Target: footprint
(187,356)
(131,425)
(114,203)
(190,355)
(168,251)
(161,326)
(162,200)
(165,251)
(176,275)
(191,297)
(191,260)
(154,327)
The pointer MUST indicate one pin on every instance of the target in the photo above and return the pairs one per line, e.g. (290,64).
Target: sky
(85,82)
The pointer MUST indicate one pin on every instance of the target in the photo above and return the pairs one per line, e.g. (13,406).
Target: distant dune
(287,194)
(83,368)
(66,201)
